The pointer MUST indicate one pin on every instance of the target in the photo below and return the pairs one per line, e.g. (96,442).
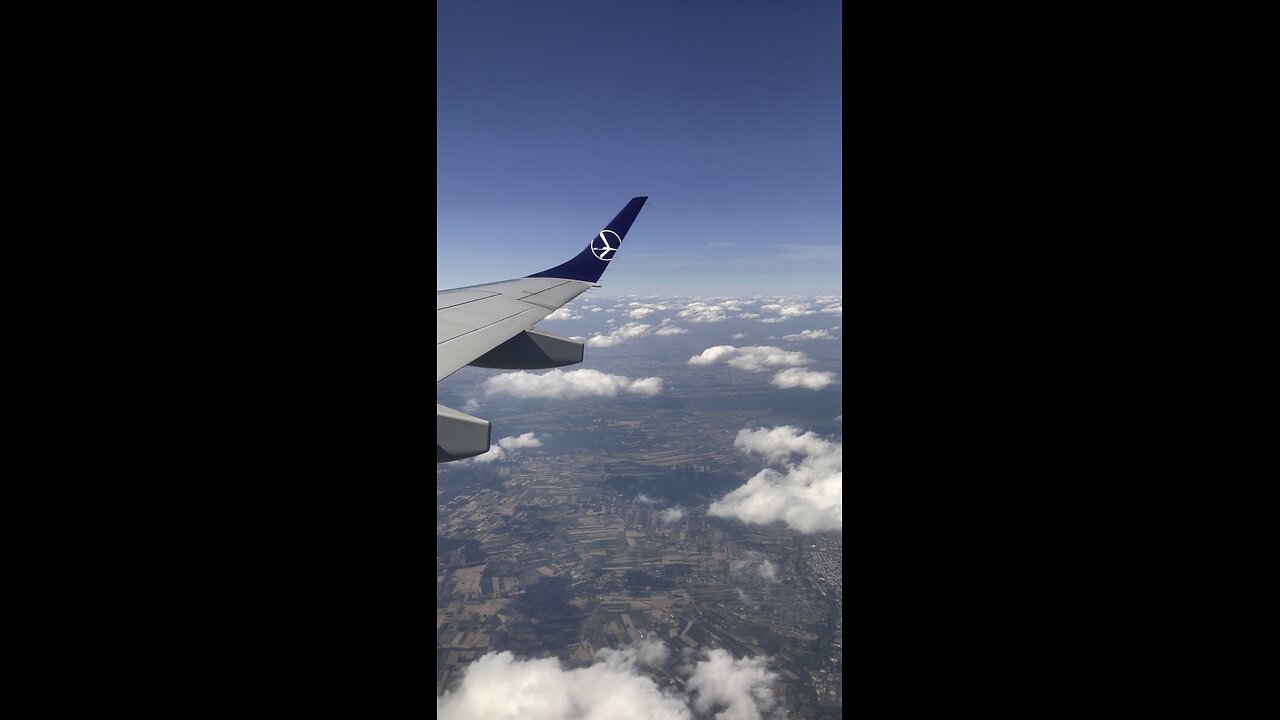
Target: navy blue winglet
(589,264)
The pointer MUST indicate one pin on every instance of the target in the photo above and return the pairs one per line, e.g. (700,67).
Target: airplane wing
(492,326)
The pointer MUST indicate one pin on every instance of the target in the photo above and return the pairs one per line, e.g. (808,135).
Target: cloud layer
(560,385)
(499,685)
(806,495)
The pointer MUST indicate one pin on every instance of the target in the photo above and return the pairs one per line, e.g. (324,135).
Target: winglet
(590,264)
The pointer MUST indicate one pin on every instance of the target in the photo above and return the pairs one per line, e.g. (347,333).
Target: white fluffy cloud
(560,385)
(806,495)
(563,313)
(671,515)
(701,312)
(801,378)
(810,335)
(614,687)
(762,357)
(471,406)
(647,387)
(500,686)
(630,331)
(739,336)
(506,446)
(713,355)
(787,310)
(836,309)
(671,330)
(756,358)
(639,313)
(743,686)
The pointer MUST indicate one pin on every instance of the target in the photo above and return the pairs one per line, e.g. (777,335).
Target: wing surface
(472,321)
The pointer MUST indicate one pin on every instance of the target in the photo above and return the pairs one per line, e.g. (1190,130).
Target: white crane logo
(602,248)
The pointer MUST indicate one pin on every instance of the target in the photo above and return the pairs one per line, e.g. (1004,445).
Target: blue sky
(552,115)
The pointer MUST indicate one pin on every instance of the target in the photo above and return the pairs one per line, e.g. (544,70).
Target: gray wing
(492,326)
(472,321)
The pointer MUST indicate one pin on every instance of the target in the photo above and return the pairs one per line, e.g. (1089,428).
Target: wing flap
(474,316)
(450,299)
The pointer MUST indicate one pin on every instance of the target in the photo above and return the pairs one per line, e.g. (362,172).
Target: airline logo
(603,248)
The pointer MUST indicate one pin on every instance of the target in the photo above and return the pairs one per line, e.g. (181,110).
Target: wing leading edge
(492,326)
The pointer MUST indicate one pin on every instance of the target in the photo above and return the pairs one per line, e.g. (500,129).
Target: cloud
(713,355)
(743,685)
(801,378)
(646,386)
(762,357)
(671,515)
(700,312)
(756,358)
(671,330)
(630,331)
(560,385)
(499,685)
(563,313)
(642,498)
(739,336)
(833,309)
(806,495)
(639,313)
(754,564)
(471,406)
(810,335)
(787,310)
(507,446)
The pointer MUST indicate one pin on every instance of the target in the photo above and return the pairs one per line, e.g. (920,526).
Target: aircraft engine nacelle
(532,350)
(459,436)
